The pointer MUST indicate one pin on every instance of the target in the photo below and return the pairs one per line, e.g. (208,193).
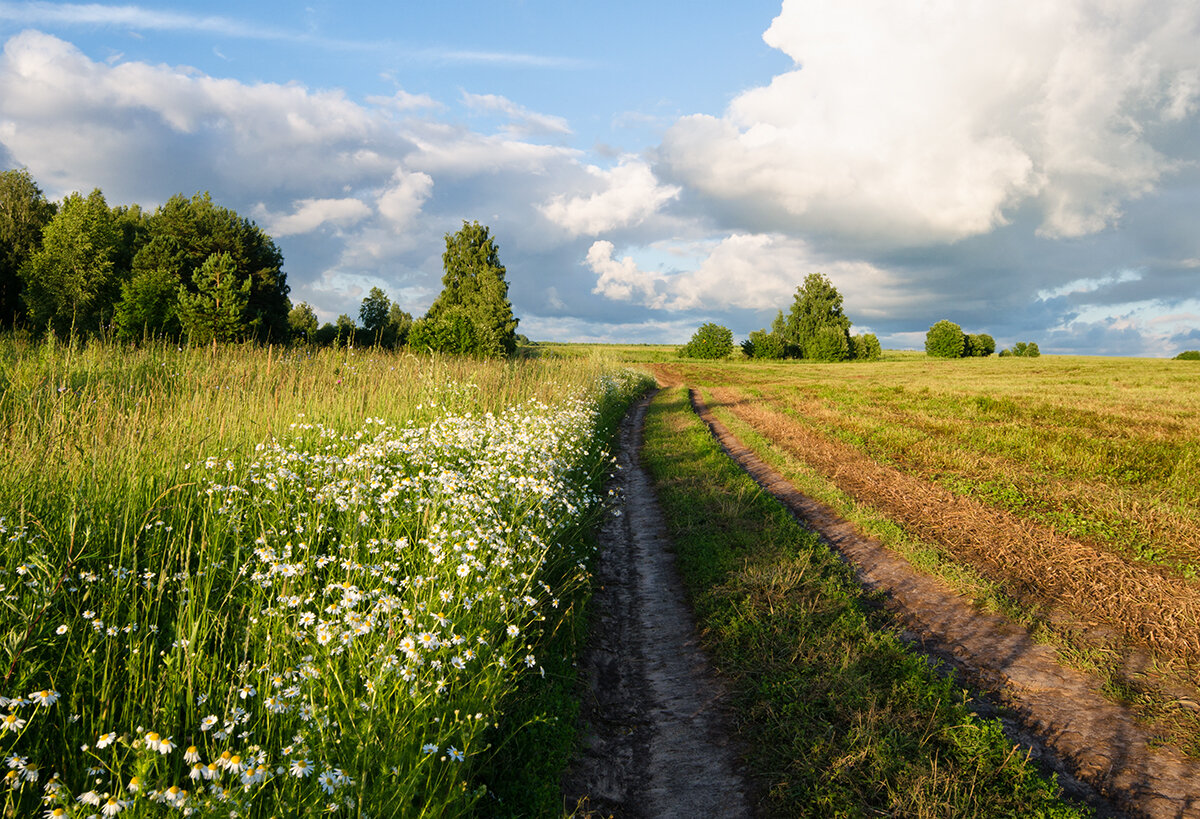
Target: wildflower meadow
(240,583)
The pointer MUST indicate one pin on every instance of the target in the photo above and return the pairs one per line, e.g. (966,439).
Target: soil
(657,743)
(1103,755)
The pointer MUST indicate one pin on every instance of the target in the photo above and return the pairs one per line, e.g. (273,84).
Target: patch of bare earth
(656,742)
(1059,712)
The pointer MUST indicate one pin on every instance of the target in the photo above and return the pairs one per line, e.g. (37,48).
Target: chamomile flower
(11,722)
(44,698)
(106,739)
(300,768)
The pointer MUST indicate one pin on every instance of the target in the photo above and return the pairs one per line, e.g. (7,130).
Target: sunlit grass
(261,583)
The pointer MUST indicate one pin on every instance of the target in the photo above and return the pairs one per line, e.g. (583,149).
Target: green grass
(837,717)
(365,565)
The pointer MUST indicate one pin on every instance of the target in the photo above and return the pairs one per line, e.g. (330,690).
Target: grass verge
(837,717)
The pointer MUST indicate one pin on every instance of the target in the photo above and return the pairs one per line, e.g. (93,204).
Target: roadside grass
(836,717)
(252,582)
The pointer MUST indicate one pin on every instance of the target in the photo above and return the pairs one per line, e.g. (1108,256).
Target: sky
(1027,170)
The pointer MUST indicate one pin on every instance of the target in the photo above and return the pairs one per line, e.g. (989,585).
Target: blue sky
(1027,170)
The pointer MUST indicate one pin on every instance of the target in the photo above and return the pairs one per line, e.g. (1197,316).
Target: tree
(945,339)
(373,314)
(817,327)
(149,305)
(399,323)
(709,341)
(183,233)
(302,322)
(474,288)
(865,348)
(24,214)
(1022,349)
(70,282)
(216,311)
(1188,355)
(762,344)
(980,345)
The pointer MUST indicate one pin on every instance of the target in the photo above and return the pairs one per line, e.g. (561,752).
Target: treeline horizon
(195,271)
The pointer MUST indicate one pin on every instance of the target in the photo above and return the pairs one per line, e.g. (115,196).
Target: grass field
(1061,490)
(253,583)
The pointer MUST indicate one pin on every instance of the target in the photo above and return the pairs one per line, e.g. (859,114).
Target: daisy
(301,768)
(11,722)
(191,755)
(113,806)
(454,754)
(208,722)
(106,739)
(156,743)
(45,698)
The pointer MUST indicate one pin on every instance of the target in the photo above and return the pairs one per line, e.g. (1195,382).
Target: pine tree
(216,311)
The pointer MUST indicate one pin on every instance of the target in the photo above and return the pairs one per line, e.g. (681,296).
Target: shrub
(945,340)
(1023,349)
(1188,355)
(765,345)
(865,348)
(710,341)
(980,345)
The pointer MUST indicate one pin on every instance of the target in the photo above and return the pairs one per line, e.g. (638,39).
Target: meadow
(1063,492)
(252,582)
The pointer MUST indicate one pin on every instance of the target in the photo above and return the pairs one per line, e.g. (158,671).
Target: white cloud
(933,122)
(311,214)
(522,121)
(401,202)
(630,193)
(744,271)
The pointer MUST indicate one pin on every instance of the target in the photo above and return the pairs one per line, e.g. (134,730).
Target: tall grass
(246,582)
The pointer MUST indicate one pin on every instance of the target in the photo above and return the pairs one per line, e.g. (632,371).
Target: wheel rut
(656,742)
(1103,755)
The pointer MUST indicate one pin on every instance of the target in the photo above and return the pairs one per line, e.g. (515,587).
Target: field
(1063,492)
(250,583)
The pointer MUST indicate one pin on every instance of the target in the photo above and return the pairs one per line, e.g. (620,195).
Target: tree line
(196,271)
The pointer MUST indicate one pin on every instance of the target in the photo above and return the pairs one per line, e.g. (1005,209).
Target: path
(657,744)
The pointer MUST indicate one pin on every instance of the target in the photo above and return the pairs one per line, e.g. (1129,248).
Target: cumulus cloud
(755,272)
(930,123)
(628,194)
(402,201)
(311,214)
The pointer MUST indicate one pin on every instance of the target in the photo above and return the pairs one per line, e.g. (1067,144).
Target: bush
(945,340)
(865,348)
(762,344)
(1023,349)
(980,345)
(1188,355)
(710,341)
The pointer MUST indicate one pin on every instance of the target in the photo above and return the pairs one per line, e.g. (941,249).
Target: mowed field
(1062,491)
(251,582)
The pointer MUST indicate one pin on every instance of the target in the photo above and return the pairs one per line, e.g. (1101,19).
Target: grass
(837,717)
(878,442)
(258,583)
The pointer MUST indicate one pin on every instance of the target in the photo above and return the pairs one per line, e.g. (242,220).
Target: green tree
(373,314)
(70,282)
(865,348)
(399,323)
(302,322)
(1188,355)
(149,305)
(452,331)
(24,214)
(183,233)
(474,285)
(979,345)
(945,339)
(817,328)
(709,341)
(764,345)
(216,311)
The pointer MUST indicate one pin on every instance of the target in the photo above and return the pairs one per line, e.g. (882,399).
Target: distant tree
(302,322)
(1188,355)
(817,327)
(24,214)
(345,328)
(979,345)
(945,339)
(865,348)
(149,305)
(216,310)
(764,345)
(70,282)
(399,323)
(453,330)
(373,314)
(474,289)
(709,341)
(1022,349)
(183,233)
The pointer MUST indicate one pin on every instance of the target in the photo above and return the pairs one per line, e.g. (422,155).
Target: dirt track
(1058,712)
(656,743)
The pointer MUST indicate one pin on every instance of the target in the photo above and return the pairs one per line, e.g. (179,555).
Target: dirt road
(656,744)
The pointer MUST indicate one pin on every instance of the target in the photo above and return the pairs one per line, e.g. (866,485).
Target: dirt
(657,743)
(1102,753)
